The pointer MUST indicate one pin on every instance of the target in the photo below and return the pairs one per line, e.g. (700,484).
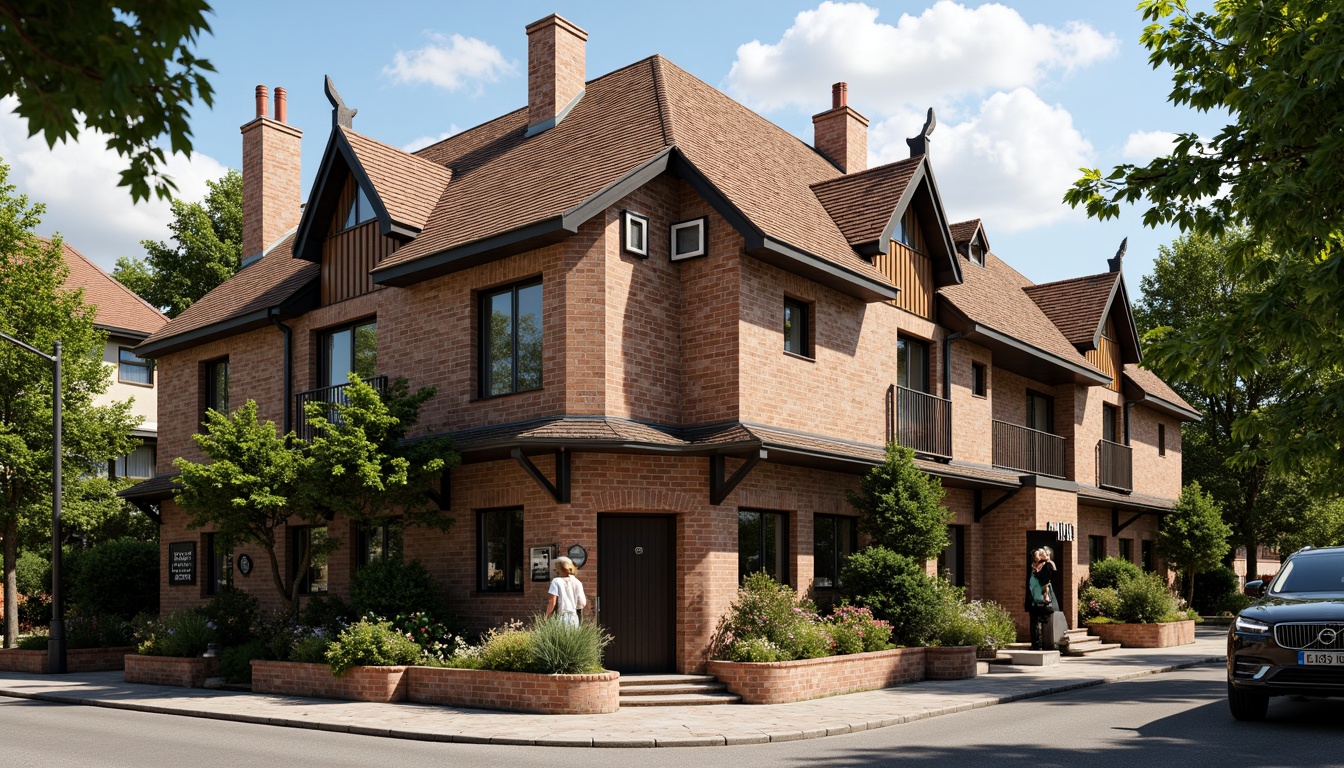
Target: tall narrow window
(499,553)
(219,566)
(1096,548)
(1146,555)
(352,349)
(979,379)
(310,540)
(797,331)
(1040,412)
(511,340)
(760,544)
(378,543)
(834,539)
(217,385)
(133,369)
(912,364)
(1127,549)
(635,233)
(952,560)
(1109,416)
(1161,439)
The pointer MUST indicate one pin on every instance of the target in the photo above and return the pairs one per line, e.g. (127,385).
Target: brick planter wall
(781,682)
(956,662)
(380,684)
(516,691)
(169,670)
(76,660)
(1165,635)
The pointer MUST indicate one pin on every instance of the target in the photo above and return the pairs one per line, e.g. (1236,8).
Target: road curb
(639,742)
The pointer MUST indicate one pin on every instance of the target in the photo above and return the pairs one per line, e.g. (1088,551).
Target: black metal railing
(333,394)
(924,422)
(1115,466)
(1028,450)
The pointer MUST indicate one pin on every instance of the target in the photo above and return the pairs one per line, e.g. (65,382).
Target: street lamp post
(56,642)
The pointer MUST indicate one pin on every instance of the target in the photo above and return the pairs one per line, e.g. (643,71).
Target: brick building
(667,332)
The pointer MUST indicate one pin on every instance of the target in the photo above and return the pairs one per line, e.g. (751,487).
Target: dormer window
(975,251)
(361,210)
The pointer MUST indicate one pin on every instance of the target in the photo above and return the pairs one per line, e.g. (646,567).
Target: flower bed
(1163,635)
(169,670)
(780,682)
(76,660)
(516,691)
(380,684)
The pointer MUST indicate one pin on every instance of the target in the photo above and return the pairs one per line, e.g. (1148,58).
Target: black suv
(1290,640)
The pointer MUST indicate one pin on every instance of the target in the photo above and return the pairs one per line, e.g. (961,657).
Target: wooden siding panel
(347,259)
(1106,356)
(912,272)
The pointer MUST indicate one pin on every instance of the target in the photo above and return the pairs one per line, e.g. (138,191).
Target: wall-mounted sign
(245,564)
(181,563)
(1062,531)
(541,563)
(578,554)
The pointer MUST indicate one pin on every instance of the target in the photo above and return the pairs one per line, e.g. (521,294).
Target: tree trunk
(1252,559)
(11,582)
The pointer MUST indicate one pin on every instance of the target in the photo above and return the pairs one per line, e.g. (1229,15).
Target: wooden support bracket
(981,510)
(720,486)
(1116,525)
(150,509)
(559,490)
(442,496)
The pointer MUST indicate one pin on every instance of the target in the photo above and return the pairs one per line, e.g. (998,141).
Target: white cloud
(1009,164)
(1146,145)
(420,142)
(450,62)
(77,180)
(948,51)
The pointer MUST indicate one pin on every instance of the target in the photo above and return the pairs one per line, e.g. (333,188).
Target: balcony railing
(333,394)
(923,422)
(1028,450)
(1115,466)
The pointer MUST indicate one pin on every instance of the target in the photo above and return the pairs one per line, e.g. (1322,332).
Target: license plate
(1314,658)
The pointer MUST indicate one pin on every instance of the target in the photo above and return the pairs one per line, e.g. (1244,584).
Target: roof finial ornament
(1114,263)
(341,115)
(919,145)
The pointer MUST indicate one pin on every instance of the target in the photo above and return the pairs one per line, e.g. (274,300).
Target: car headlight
(1251,625)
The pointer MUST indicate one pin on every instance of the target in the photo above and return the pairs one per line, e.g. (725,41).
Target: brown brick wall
(378,684)
(1153,474)
(782,682)
(1146,635)
(169,670)
(516,691)
(842,136)
(76,660)
(972,416)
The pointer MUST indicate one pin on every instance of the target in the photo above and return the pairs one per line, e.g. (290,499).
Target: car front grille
(1321,676)
(1310,636)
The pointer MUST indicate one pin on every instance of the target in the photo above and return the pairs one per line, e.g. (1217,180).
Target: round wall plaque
(578,554)
(244,564)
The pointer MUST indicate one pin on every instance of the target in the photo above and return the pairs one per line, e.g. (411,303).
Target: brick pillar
(272,190)
(841,134)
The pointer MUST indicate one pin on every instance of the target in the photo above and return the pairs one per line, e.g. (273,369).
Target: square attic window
(635,233)
(688,239)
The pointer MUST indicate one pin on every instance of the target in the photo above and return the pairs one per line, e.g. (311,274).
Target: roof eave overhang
(1169,408)
(123,333)
(303,300)
(1018,356)
(1098,497)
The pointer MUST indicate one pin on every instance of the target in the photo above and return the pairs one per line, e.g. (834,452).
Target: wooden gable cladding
(348,255)
(908,266)
(1106,357)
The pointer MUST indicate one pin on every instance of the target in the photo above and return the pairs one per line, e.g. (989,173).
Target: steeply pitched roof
(118,306)
(861,203)
(408,186)
(1077,306)
(1152,386)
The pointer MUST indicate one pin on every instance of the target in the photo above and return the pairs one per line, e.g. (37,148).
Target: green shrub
(433,637)
(95,630)
(34,642)
(329,613)
(32,573)
(1098,602)
(393,588)
(987,626)
(1213,586)
(850,623)
(766,609)
(845,639)
(1113,573)
(367,643)
(184,633)
(234,614)
(900,506)
(310,649)
(34,612)
(120,577)
(559,648)
(753,649)
(235,662)
(507,649)
(1232,604)
(278,631)
(1145,600)
(898,591)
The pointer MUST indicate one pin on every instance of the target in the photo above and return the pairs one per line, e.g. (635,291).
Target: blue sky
(1026,93)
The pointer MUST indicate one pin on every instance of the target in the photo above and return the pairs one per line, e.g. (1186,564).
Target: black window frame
(484,360)
(324,337)
(1126,549)
(903,346)
(210,380)
(629,218)
(385,532)
(145,363)
(836,557)
(979,379)
(783,545)
(356,211)
(803,310)
(212,583)
(1110,422)
(956,540)
(1161,439)
(1147,559)
(1096,553)
(518,517)
(1049,400)
(306,580)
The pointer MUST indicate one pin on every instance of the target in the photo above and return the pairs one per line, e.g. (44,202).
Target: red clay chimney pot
(281,106)
(261,101)
(839,95)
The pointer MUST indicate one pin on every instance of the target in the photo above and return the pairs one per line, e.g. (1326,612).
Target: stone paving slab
(732,724)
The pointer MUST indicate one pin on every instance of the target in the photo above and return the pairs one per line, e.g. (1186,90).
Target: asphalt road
(1176,720)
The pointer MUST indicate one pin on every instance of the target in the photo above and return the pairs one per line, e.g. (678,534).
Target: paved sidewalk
(632,726)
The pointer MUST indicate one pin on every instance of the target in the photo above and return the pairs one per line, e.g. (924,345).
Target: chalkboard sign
(182,564)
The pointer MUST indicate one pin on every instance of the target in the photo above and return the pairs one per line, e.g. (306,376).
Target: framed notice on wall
(182,564)
(541,563)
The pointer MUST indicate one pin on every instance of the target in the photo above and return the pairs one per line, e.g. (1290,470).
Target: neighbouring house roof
(1158,394)
(156,488)
(963,231)
(119,308)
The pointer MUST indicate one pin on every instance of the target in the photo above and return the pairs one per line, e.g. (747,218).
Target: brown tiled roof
(157,487)
(996,297)
(1076,306)
(963,231)
(266,283)
(1151,384)
(408,186)
(1088,493)
(861,203)
(971,473)
(118,306)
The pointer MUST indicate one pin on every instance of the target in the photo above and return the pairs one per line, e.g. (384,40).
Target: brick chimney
(271,177)
(841,134)
(555,71)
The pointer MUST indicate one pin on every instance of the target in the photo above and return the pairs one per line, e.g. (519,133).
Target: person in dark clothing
(1041,602)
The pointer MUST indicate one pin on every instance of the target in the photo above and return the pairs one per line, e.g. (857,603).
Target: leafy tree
(1323,527)
(897,590)
(35,308)
(900,506)
(91,513)
(1273,66)
(207,249)
(125,69)
(1193,536)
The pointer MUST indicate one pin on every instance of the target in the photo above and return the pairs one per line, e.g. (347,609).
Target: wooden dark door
(635,583)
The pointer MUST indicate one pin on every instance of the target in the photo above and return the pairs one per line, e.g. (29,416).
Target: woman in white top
(566,593)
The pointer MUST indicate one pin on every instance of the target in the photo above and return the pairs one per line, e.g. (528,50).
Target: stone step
(1089,648)
(659,679)
(672,688)
(1083,640)
(680,700)
(1032,658)
(1069,634)
(1017,647)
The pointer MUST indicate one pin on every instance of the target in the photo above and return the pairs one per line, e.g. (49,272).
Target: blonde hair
(1049,553)
(566,565)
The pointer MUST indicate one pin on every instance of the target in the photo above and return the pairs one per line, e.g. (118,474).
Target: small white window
(688,239)
(635,233)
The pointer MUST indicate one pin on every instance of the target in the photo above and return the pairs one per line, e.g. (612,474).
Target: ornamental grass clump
(559,648)
(184,633)
(367,643)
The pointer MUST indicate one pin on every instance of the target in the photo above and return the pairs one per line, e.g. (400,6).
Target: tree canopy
(124,69)
(206,250)
(1193,536)
(900,506)
(1273,66)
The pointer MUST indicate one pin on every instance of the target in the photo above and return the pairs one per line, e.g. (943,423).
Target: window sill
(980,397)
(797,356)
(507,394)
(135,383)
(497,593)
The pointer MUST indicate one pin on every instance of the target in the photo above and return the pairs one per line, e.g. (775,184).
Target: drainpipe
(947,363)
(1128,404)
(289,368)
